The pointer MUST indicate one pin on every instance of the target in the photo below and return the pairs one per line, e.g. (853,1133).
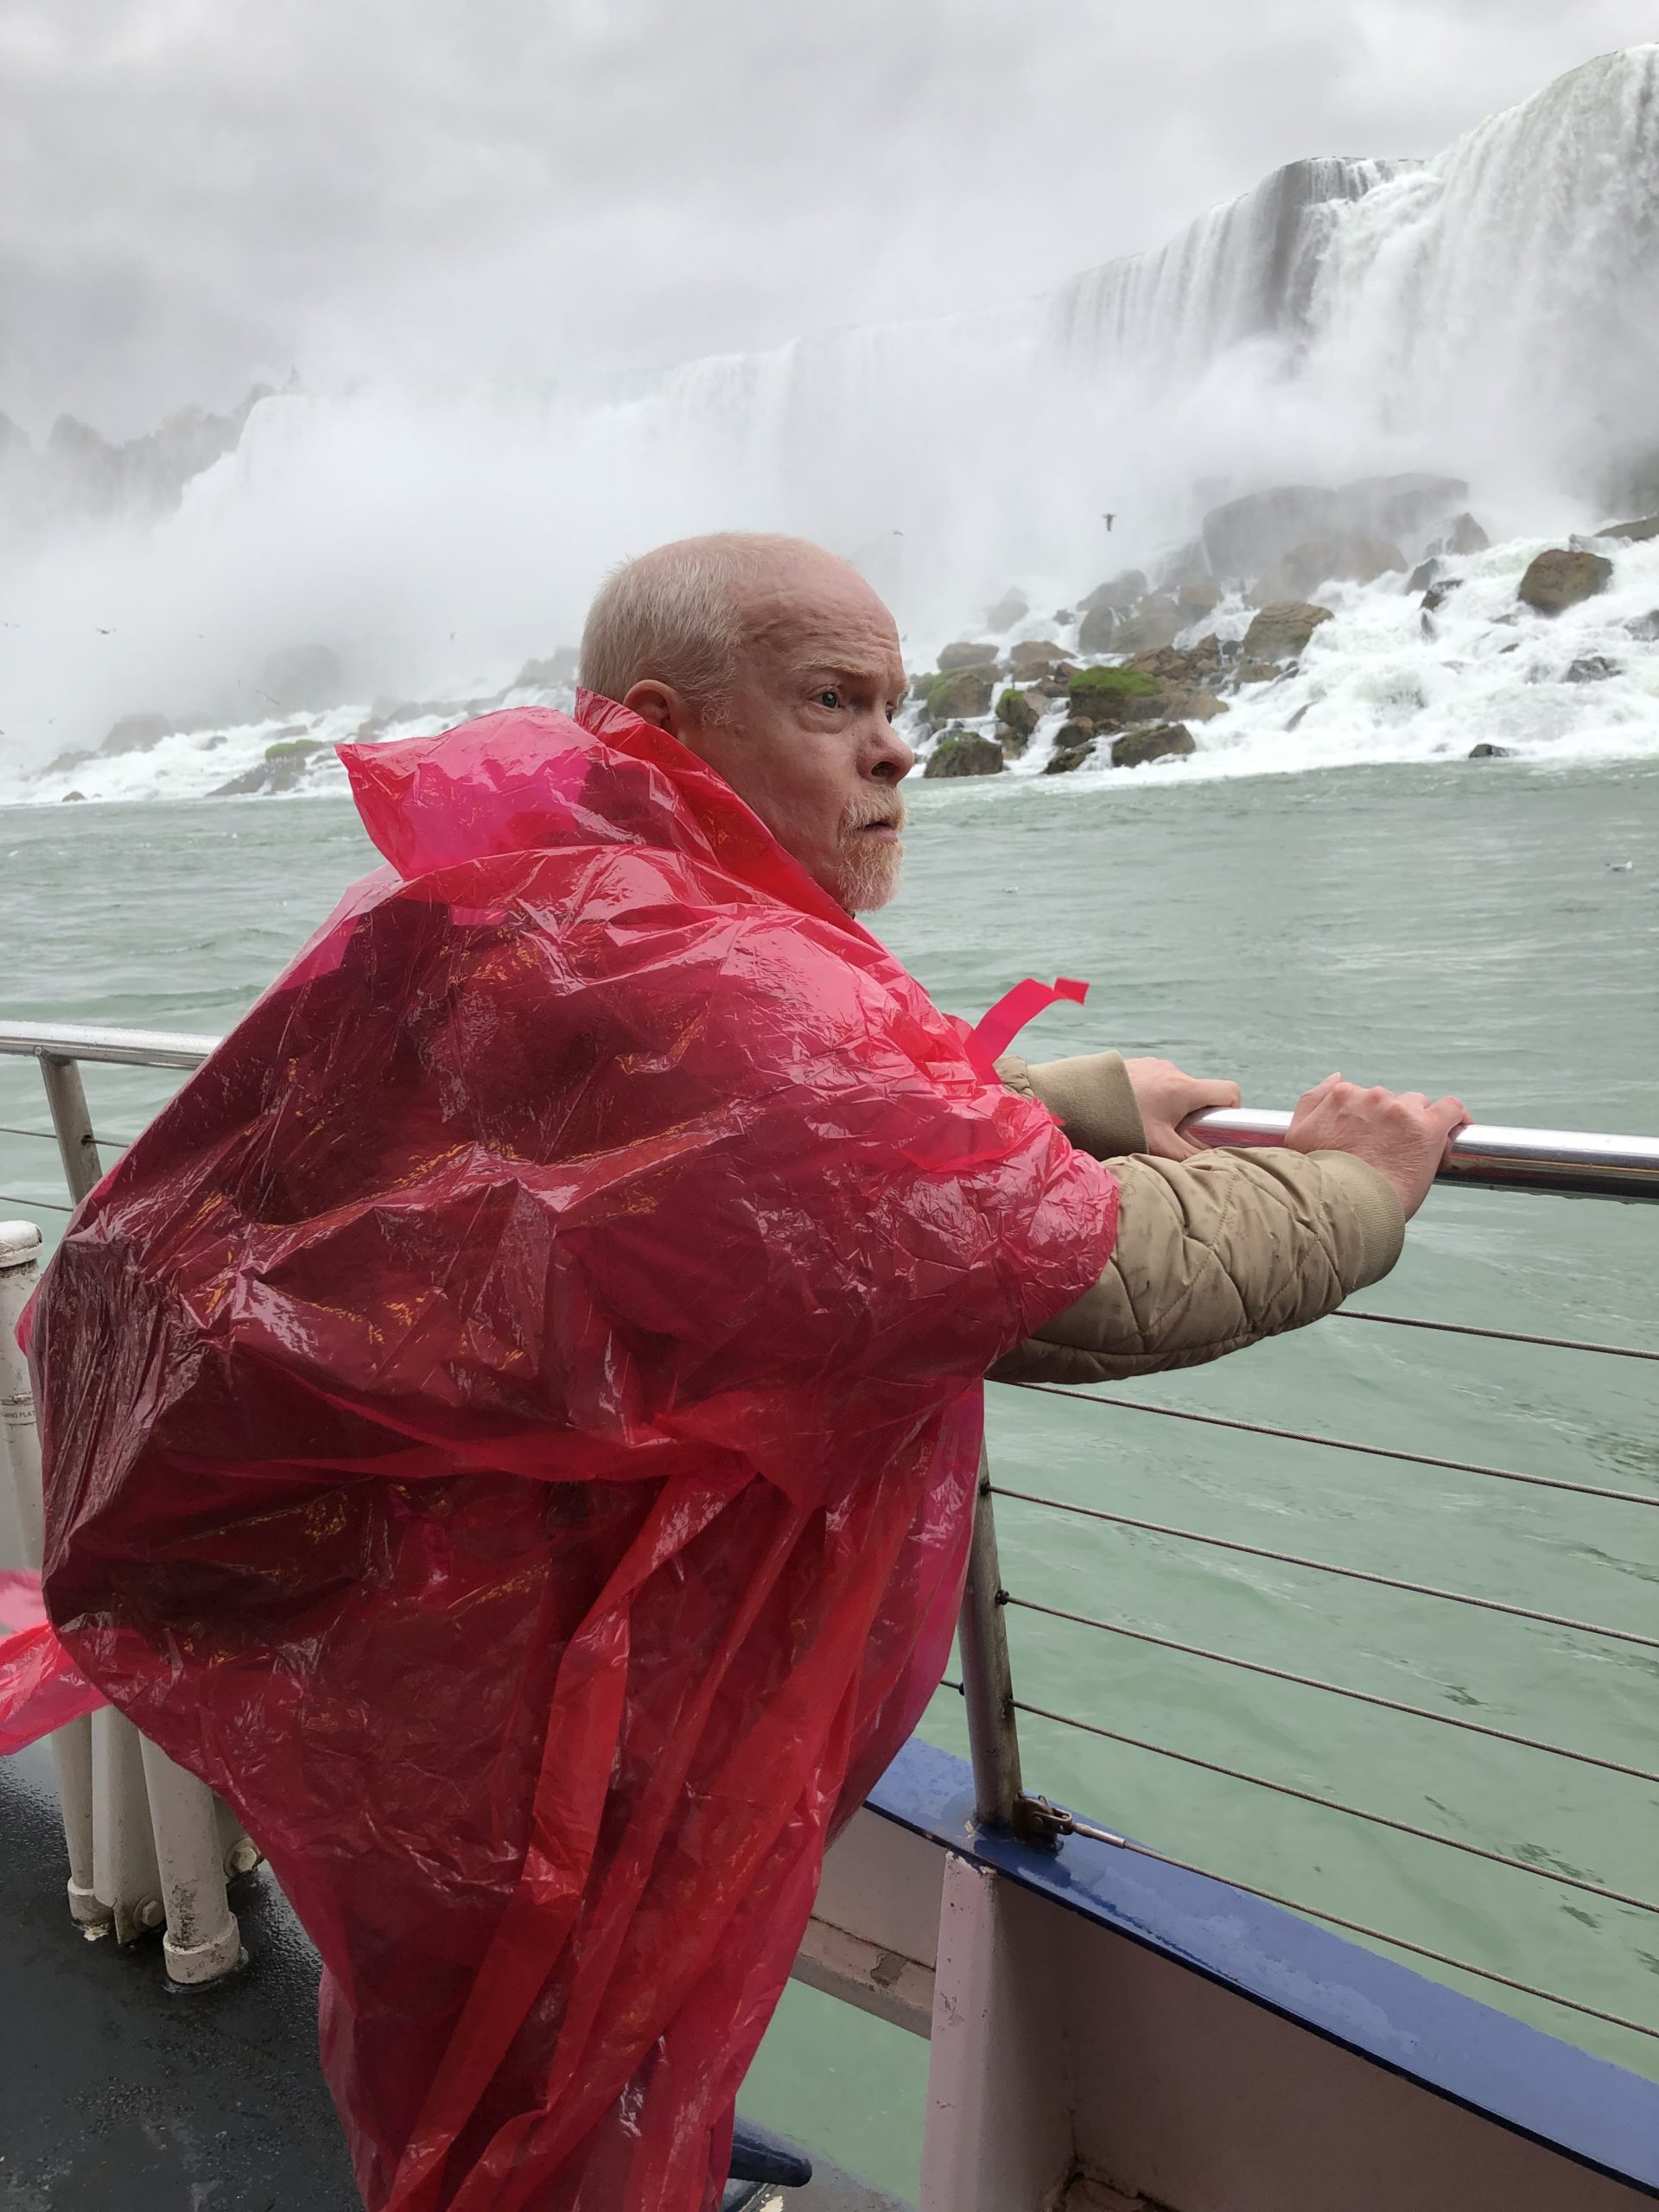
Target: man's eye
(829,698)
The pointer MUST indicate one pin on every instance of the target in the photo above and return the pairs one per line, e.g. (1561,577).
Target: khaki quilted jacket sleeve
(1214,1252)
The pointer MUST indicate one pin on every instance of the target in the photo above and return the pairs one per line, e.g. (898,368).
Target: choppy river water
(1488,928)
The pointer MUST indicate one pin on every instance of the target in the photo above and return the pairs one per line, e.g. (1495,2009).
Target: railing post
(67,1099)
(987,1679)
(72,1747)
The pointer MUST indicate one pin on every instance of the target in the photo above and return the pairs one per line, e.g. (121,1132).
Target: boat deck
(119,2094)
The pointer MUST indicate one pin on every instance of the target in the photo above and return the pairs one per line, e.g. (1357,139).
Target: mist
(536,299)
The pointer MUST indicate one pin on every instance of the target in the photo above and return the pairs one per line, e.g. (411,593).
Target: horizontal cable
(47,1136)
(1378,1934)
(1499,1336)
(1342,1444)
(1336,1805)
(45,1205)
(1354,1927)
(1336,1689)
(1329,1567)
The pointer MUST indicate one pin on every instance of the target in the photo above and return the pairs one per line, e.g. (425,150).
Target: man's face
(807,738)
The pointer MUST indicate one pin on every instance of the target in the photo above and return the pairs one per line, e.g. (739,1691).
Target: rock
(1012,608)
(1244,537)
(1183,676)
(1156,622)
(1197,594)
(72,794)
(1248,538)
(1423,574)
(965,655)
(136,734)
(1280,632)
(1593,668)
(1186,664)
(960,694)
(1632,533)
(1436,598)
(1561,578)
(1118,593)
(1491,752)
(1074,745)
(961,753)
(1338,558)
(1064,616)
(282,769)
(1164,742)
(1194,706)
(1034,656)
(559,669)
(1114,696)
(1095,632)
(1645,627)
(1462,535)
(1403,505)
(1017,713)
(64,762)
(304,677)
(1056,684)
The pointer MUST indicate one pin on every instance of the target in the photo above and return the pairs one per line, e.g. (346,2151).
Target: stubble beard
(869,871)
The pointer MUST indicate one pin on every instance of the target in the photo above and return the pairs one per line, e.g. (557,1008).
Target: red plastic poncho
(511,1426)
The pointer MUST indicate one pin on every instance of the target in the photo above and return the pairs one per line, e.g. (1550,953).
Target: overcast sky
(194,193)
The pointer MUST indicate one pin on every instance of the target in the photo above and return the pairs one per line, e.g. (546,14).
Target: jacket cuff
(1091,1096)
(1377,1208)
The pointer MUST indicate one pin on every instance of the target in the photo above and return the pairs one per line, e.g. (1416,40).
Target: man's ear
(660,705)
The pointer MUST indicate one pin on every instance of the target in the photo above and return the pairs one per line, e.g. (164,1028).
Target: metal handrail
(131,1048)
(1569,1163)
(1572,1163)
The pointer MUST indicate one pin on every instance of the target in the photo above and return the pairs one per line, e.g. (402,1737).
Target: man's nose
(893,759)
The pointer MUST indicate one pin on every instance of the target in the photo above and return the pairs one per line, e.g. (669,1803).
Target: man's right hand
(1400,1134)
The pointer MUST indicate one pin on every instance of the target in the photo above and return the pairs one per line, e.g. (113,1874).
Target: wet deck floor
(119,2095)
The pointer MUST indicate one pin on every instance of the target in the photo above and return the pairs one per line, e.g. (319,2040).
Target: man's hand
(1165,1097)
(1400,1133)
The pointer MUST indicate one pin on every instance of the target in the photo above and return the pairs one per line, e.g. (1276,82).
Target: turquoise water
(1450,927)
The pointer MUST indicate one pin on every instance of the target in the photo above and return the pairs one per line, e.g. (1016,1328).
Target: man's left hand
(1165,1097)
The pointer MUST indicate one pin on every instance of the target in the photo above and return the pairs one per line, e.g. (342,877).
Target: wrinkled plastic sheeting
(41,1686)
(511,1426)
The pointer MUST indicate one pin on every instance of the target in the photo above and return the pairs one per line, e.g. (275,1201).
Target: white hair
(677,614)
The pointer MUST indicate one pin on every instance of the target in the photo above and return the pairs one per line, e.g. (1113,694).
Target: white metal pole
(124,1869)
(72,1747)
(202,1940)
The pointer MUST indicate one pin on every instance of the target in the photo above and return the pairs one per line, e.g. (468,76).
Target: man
(510,1423)
(779,666)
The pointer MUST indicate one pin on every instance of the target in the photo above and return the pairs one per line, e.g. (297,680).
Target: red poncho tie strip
(511,1426)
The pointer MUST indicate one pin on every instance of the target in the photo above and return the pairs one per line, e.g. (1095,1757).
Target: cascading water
(1494,312)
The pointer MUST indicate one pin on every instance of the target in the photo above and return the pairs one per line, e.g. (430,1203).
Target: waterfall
(1493,313)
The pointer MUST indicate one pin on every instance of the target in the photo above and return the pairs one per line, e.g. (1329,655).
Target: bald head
(684,613)
(776,663)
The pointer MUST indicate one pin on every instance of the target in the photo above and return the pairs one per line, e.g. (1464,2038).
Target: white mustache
(855,819)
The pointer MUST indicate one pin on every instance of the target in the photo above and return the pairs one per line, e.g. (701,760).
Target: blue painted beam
(1597,2113)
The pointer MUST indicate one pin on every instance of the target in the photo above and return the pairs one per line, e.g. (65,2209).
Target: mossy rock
(963,752)
(959,694)
(1017,713)
(1091,684)
(294,748)
(1168,741)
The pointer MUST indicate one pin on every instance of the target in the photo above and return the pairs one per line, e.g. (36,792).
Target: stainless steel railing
(1565,1162)
(1573,1163)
